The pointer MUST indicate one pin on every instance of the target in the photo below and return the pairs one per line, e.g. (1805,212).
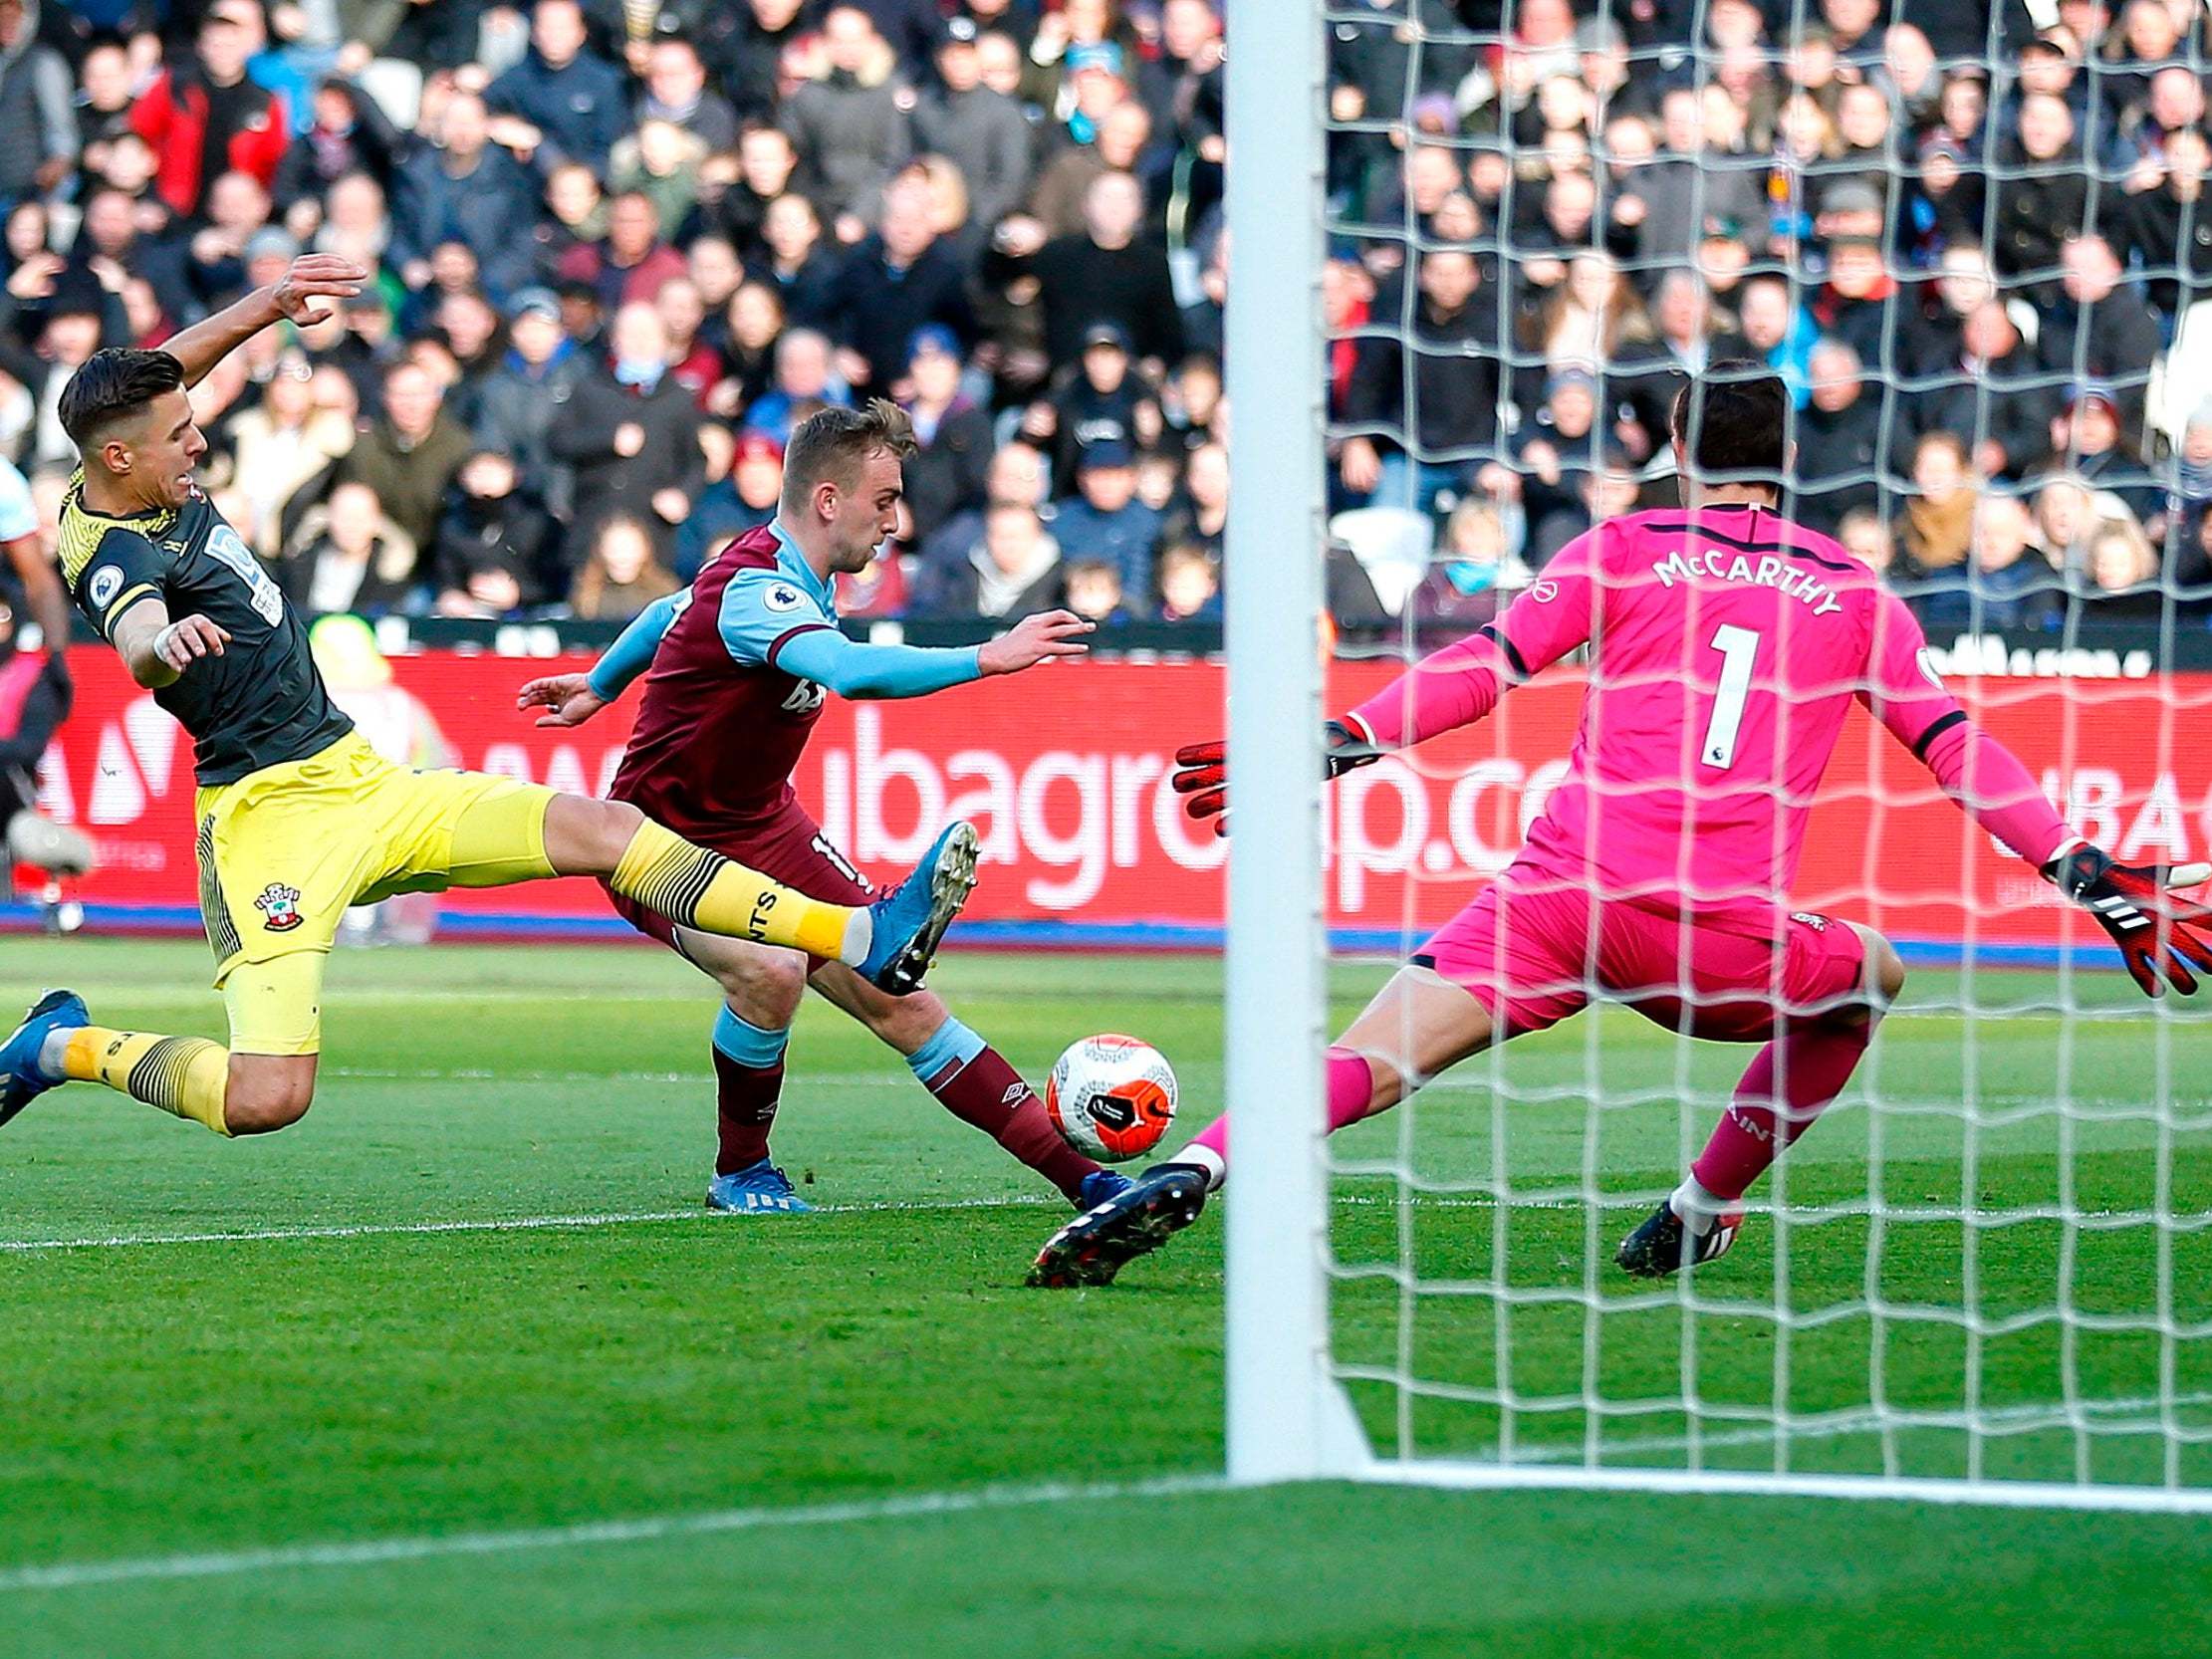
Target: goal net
(1969,239)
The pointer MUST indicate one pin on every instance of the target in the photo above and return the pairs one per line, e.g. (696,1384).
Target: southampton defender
(297,816)
(740,663)
(1729,645)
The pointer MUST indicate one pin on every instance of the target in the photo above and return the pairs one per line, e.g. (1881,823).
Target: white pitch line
(484,1075)
(627,1218)
(640,1218)
(645,1529)
(354,995)
(497,1224)
(1866,1422)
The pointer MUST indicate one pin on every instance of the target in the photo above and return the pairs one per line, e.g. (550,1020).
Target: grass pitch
(458,1366)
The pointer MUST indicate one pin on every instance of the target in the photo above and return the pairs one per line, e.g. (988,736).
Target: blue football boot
(756,1190)
(22,1079)
(912,919)
(1101,1186)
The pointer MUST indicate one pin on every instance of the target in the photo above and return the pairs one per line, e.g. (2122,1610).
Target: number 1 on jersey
(1737,647)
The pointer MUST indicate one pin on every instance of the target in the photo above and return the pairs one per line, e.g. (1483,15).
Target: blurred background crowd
(622,245)
(1966,232)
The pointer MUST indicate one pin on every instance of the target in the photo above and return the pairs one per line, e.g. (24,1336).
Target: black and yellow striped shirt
(260,703)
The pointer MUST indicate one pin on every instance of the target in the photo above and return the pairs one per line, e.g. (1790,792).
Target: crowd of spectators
(619,251)
(622,246)
(1968,245)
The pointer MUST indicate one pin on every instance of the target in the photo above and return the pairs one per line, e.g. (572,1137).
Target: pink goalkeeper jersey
(1729,645)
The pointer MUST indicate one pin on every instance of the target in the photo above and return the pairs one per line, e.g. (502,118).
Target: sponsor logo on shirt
(784,597)
(1544,592)
(106,584)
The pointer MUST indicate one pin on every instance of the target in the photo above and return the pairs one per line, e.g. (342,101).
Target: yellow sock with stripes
(184,1075)
(704,890)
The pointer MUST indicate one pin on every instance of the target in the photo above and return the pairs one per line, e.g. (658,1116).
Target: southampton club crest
(281,904)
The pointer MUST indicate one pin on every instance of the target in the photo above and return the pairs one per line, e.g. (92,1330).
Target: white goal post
(1288,1418)
(1289,1413)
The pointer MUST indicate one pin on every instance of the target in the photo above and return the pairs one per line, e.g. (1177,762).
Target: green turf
(246,1393)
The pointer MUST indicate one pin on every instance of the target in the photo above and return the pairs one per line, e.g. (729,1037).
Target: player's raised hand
(187,639)
(1035,640)
(2159,934)
(1201,778)
(1201,775)
(568,699)
(314,277)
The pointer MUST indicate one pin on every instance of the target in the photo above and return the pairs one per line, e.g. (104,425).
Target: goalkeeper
(1729,645)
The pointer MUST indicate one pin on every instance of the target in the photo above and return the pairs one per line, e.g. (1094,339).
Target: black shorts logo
(281,905)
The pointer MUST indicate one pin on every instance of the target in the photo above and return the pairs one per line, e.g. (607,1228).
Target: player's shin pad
(183,1075)
(697,888)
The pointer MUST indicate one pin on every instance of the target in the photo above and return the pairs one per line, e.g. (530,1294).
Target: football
(1112,1097)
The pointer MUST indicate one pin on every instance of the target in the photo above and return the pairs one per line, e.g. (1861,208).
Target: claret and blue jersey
(750,647)
(766,615)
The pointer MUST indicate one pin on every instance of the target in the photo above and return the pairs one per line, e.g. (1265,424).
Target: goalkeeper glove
(2158,933)
(1201,772)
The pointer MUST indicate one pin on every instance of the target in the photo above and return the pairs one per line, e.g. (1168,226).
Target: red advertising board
(1064,771)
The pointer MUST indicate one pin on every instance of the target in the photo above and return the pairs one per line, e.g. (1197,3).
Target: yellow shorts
(284,852)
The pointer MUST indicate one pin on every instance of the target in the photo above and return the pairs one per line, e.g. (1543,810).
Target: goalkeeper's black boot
(1091,1249)
(1662,1245)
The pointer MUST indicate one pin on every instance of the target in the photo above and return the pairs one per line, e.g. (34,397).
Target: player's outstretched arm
(854,668)
(2160,937)
(1461,683)
(296,296)
(568,699)
(1453,688)
(1035,640)
(157,651)
(572,699)
(1201,775)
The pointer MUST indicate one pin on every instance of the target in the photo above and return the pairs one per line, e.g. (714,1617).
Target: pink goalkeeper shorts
(1535,956)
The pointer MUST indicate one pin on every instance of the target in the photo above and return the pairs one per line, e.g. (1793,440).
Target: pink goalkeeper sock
(1350,1089)
(1815,1063)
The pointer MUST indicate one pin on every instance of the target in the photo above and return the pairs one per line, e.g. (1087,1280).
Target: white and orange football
(1111,1097)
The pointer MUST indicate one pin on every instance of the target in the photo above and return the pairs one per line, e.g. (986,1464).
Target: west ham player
(297,816)
(740,663)
(1729,645)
